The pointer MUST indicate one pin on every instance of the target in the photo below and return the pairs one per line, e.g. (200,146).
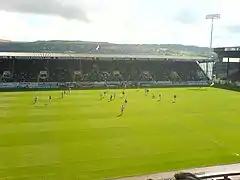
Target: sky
(121,21)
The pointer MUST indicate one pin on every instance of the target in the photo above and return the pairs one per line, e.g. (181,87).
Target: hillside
(103,48)
(4,41)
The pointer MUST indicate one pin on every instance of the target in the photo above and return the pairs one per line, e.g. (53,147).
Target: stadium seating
(220,70)
(235,76)
(69,70)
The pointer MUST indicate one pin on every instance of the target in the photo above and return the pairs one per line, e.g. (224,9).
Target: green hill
(56,46)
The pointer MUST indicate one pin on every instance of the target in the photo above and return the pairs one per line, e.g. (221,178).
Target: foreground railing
(225,176)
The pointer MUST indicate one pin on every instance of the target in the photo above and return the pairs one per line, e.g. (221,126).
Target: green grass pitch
(81,137)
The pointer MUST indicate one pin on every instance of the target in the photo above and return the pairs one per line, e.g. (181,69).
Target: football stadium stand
(100,70)
(54,70)
(228,67)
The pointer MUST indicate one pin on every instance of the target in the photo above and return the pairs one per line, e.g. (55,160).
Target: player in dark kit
(153,96)
(50,98)
(111,98)
(126,101)
(160,97)
(123,93)
(174,98)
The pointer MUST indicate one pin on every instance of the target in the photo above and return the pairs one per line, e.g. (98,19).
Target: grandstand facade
(228,66)
(21,68)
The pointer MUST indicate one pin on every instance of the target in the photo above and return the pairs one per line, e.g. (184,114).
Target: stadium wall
(234,86)
(87,85)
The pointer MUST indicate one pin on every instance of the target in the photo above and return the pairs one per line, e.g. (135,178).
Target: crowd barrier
(29,85)
(228,85)
(109,84)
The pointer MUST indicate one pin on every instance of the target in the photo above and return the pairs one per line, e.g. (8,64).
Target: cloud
(234,29)
(187,16)
(44,7)
(121,21)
